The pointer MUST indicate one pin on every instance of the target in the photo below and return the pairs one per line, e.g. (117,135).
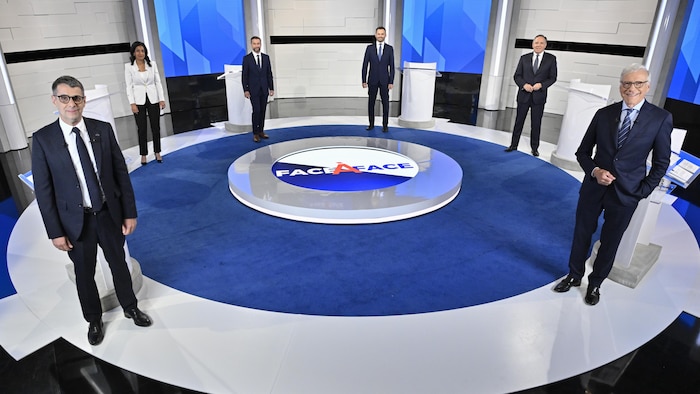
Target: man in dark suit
(616,177)
(84,193)
(257,85)
(536,71)
(379,58)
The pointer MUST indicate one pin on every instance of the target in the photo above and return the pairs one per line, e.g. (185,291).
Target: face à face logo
(345,168)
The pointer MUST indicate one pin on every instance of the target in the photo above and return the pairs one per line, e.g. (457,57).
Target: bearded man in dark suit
(378,75)
(257,86)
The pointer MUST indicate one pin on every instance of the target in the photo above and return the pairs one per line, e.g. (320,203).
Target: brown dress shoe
(256,138)
(265,136)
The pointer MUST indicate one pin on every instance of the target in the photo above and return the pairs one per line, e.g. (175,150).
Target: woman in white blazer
(145,94)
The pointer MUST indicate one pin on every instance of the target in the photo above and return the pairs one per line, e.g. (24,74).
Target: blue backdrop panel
(449,32)
(200,36)
(685,85)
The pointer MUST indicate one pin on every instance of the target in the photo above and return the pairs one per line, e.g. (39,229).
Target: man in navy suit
(379,58)
(536,71)
(257,85)
(84,193)
(616,177)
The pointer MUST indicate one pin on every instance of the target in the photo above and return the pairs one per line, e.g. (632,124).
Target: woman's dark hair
(135,45)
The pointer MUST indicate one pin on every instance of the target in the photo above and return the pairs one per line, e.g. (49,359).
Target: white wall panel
(319,70)
(616,22)
(31,25)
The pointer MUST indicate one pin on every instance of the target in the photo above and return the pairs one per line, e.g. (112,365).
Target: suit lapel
(640,123)
(615,124)
(95,136)
(59,148)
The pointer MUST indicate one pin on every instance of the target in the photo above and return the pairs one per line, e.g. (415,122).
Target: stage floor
(513,344)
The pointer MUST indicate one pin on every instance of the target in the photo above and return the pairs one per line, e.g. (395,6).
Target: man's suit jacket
(546,75)
(138,87)
(650,132)
(257,80)
(56,183)
(381,72)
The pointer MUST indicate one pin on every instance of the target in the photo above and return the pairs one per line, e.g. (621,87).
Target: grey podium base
(238,128)
(564,164)
(108,299)
(417,124)
(643,259)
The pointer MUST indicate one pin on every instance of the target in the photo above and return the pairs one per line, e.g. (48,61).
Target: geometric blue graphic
(200,36)
(451,33)
(685,85)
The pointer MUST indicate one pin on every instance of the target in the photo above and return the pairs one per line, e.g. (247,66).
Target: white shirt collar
(637,107)
(68,129)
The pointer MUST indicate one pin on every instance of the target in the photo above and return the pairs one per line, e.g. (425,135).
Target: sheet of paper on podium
(684,169)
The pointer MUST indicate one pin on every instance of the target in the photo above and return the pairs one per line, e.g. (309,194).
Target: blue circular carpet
(507,232)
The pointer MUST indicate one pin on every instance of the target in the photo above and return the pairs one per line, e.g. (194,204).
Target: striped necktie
(537,63)
(624,131)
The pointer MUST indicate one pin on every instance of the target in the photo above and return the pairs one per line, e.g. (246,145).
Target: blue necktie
(537,63)
(380,51)
(624,131)
(93,184)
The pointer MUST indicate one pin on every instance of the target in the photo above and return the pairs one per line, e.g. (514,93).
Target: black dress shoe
(592,295)
(96,333)
(385,129)
(566,284)
(510,149)
(535,153)
(370,127)
(140,319)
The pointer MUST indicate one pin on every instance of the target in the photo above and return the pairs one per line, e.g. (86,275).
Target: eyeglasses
(636,84)
(65,99)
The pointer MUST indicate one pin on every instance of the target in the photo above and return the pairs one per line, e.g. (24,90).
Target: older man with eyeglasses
(613,154)
(85,196)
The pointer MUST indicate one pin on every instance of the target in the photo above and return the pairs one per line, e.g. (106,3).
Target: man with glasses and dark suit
(85,196)
(613,155)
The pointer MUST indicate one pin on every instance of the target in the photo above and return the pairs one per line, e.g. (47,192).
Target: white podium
(239,108)
(98,106)
(583,102)
(418,95)
(636,254)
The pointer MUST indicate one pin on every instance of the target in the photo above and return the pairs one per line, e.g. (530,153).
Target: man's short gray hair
(634,67)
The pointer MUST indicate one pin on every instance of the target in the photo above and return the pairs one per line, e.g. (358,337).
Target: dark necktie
(537,63)
(380,51)
(624,131)
(257,60)
(93,184)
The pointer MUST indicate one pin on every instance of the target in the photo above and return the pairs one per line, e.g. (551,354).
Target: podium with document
(636,254)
